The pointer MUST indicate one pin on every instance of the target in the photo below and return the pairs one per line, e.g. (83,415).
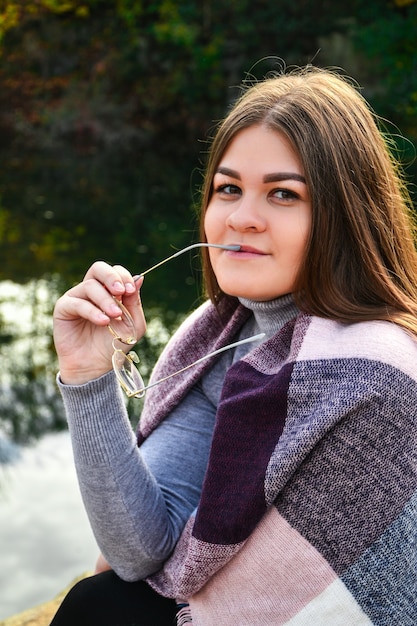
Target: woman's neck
(272,315)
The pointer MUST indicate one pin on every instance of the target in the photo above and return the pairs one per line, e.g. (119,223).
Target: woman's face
(259,201)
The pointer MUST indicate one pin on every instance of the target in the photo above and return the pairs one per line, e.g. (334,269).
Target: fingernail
(118,286)
(130,288)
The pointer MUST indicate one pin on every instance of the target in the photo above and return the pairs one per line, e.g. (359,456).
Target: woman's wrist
(70,376)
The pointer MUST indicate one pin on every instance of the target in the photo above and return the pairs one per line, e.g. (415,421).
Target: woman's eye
(228,190)
(285,194)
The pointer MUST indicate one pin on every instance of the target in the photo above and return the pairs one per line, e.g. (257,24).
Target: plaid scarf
(308,508)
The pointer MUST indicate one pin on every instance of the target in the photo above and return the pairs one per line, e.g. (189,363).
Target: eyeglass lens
(128,374)
(123,327)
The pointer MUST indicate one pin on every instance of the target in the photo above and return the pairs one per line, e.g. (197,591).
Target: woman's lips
(247,251)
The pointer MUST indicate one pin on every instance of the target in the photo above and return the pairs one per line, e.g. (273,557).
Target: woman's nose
(246,216)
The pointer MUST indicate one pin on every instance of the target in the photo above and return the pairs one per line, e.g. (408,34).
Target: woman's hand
(81,317)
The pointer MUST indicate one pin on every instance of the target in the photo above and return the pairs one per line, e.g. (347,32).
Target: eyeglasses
(123,330)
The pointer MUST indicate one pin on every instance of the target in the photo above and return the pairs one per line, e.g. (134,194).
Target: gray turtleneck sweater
(139,499)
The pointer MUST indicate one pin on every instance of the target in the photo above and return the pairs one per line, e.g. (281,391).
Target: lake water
(45,538)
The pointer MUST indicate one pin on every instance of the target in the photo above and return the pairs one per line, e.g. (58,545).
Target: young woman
(273,483)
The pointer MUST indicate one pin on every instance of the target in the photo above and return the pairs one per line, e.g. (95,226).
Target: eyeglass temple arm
(194,245)
(203,358)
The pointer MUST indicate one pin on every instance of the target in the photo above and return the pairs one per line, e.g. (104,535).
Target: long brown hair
(360,262)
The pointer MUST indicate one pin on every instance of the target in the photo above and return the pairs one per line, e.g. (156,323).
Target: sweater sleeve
(137,499)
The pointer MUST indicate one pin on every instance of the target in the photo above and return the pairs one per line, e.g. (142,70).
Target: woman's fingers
(96,301)
(71,307)
(122,286)
(83,343)
(95,298)
(116,279)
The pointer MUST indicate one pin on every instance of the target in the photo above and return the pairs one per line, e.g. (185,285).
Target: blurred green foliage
(105,108)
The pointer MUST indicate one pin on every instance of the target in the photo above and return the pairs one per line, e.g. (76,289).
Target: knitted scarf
(308,508)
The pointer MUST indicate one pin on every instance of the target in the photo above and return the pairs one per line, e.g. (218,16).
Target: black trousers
(106,600)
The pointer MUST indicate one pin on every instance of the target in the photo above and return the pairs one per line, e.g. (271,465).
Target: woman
(273,483)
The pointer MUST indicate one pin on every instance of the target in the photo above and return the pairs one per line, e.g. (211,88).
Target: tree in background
(105,106)
(389,47)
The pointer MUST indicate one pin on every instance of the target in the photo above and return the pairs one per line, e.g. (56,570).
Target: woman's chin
(257,295)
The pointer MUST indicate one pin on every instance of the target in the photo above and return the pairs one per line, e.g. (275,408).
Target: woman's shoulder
(377,340)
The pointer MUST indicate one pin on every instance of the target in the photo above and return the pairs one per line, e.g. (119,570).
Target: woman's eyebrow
(228,172)
(279,176)
(274,177)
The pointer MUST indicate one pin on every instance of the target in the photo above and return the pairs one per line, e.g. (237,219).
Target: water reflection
(9,451)
(29,401)
(30,404)
(45,538)
(60,210)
